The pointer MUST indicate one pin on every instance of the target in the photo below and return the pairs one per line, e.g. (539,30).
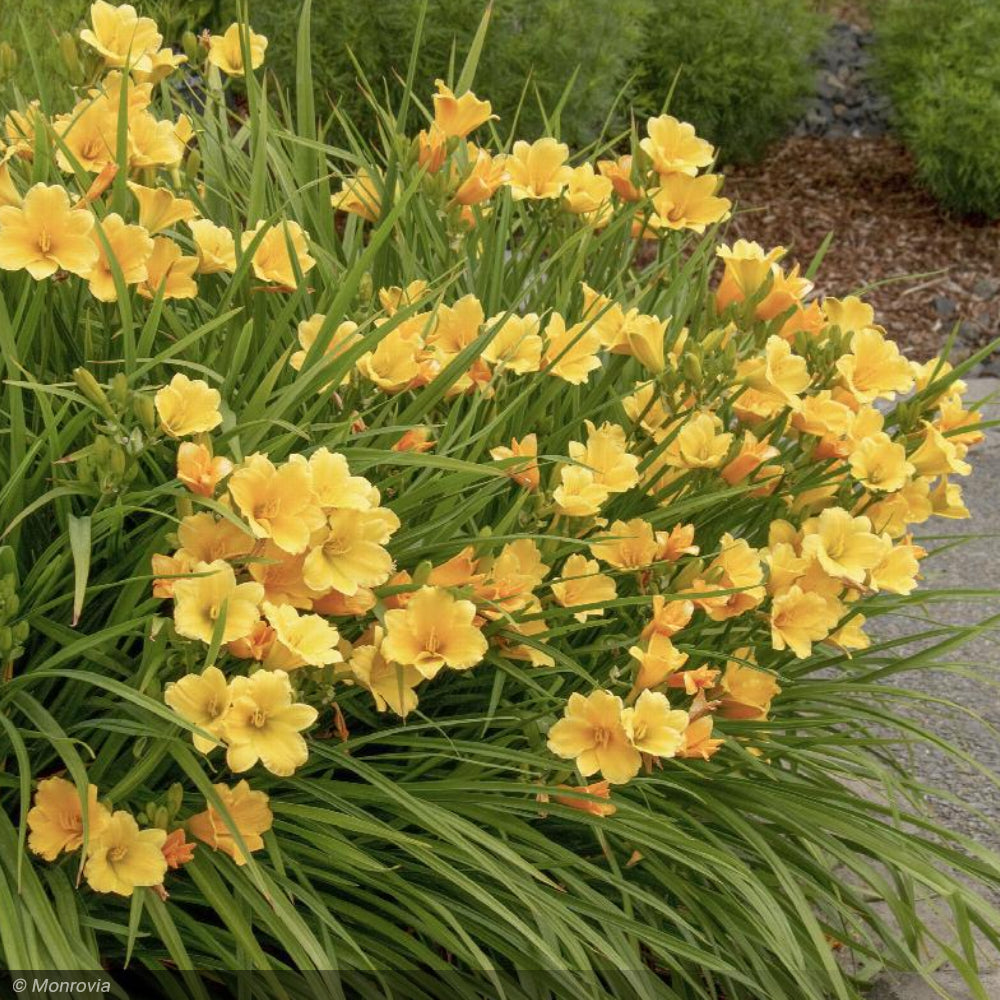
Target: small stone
(945,307)
(840,110)
(986,288)
(969,332)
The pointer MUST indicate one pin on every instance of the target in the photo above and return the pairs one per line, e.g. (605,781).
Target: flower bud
(422,572)
(194,51)
(8,59)
(145,412)
(691,366)
(71,57)
(119,391)
(192,166)
(688,575)
(92,390)
(175,799)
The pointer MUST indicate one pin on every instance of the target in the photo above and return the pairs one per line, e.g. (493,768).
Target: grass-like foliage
(937,62)
(435,559)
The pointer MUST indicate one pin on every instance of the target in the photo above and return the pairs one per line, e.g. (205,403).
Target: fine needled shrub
(444,567)
(738,71)
(937,60)
(533,50)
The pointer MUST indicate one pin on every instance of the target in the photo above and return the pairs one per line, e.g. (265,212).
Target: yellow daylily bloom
(55,820)
(746,692)
(673,147)
(245,809)
(124,857)
(606,455)
(592,733)
(570,352)
(653,727)
(201,600)
(129,246)
(582,583)
(159,209)
(45,234)
(188,406)
(277,502)
(874,368)
(458,116)
(844,545)
(121,36)
(203,700)
(537,170)
(264,724)
(272,260)
(215,245)
(392,685)
(348,554)
(300,640)
(800,618)
(168,272)
(226,50)
(578,493)
(434,630)
(685,202)
(879,463)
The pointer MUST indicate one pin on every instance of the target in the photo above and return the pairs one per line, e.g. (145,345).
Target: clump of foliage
(535,50)
(937,60)
(739,71)
(448,557)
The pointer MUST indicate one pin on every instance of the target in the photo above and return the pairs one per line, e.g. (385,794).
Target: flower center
(71,822)
(268,509)
(117,853)
(335,545)
(259,719)
(44,241)
(602,737)
(432,643)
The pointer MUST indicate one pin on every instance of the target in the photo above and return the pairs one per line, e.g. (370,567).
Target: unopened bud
(192,166)
(688,575)
(189,43)
(92,390)
(175,798)
(422,572)
(145,411)
(691,367)
(8,58)
(119,391)
(71,57)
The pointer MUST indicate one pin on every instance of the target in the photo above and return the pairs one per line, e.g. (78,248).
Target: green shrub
(545,43)
(741,69)
(937,59)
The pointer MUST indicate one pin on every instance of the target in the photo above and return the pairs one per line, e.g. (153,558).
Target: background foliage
(937,59)
(741,69)
(738,71)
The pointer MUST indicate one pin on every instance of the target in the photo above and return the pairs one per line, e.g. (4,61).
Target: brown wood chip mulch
(885,227)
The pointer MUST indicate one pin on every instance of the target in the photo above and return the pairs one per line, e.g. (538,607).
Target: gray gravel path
(975,564)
